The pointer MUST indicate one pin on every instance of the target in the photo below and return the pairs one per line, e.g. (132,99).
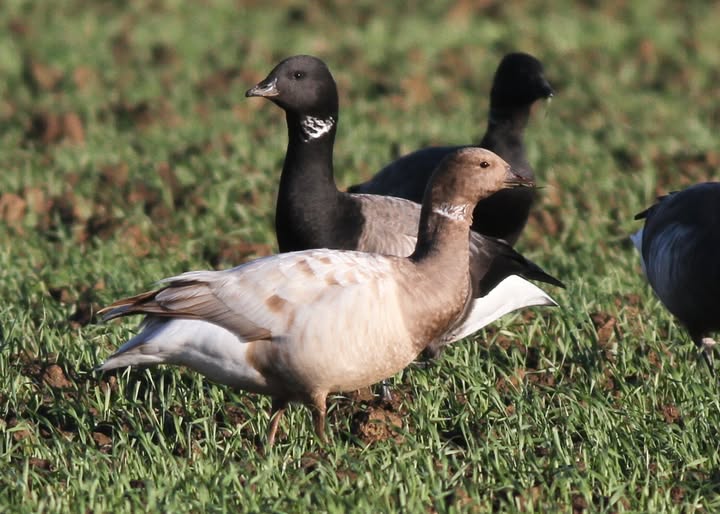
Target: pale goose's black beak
(266,88)
(514,179)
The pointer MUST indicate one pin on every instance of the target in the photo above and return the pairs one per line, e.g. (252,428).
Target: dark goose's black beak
(265,88)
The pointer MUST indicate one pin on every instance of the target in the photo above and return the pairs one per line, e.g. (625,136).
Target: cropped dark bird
(298,326)
(680,249)
(312,213)
(519,82)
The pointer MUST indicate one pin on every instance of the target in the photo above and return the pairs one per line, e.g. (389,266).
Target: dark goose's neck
(310,209)
(505,132)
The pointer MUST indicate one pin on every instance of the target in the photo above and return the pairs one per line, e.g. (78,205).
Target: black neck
(309,205)
(508,121)
(504,135)
(308,164)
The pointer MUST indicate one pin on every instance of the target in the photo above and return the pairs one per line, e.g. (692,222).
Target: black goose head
(519,81)
(301,85)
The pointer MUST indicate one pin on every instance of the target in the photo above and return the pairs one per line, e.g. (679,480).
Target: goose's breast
(351,343)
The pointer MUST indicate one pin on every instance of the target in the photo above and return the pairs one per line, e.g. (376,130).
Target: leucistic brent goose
(297,326)
(519,82)
(312,213)
(680,250)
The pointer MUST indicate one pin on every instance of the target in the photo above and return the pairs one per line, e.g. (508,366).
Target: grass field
(129,153)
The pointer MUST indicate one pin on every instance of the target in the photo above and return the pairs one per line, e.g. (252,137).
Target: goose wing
(263,299)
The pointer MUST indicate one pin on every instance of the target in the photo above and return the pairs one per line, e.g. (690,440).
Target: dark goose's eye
(484,164)
(299,75)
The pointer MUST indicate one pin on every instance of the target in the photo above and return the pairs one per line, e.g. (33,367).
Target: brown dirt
(39,76)
(19,435)
(83,77)
(232,253)
(40,464)
(579,504)
(671,414)
(546,223)
(377,424)
(218,82)
(111,383)
(605,325)
(54,376)
(512,383)
(48,128)
(677,494)
(101,439)
(681,169)
(84,301)
(12,208)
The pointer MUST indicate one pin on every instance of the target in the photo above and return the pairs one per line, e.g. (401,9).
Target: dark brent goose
(297,326)
(680,249)
(312,213)
(519,82)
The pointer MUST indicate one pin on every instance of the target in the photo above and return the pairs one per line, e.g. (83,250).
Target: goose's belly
(334,355)
(354,363)
(212,351)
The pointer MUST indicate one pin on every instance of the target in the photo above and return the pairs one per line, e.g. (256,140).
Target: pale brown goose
(300,325)
(313,213)
(518,83)
(680,250)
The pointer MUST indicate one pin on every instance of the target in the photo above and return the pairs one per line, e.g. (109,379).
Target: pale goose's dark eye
(299,75)
(484,164)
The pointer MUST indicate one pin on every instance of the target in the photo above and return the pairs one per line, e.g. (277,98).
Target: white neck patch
(313,128)
(453,212)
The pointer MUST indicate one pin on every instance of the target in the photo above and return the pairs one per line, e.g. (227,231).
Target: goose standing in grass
(680,249)
(313,213)
(300,325)
(519,82)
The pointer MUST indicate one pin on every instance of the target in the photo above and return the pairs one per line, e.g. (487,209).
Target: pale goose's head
(302,85)
(519,81)
(467,176)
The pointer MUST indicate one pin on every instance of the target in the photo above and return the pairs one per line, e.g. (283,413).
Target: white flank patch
(453,212)
(512,294)
(636,239)
(314,128)
(200,345)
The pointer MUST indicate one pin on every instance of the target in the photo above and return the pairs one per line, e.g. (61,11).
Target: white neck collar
(313,128)
(453,212)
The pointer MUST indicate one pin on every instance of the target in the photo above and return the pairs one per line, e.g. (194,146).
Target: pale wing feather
(391,227)
(274,292)
(197,300)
